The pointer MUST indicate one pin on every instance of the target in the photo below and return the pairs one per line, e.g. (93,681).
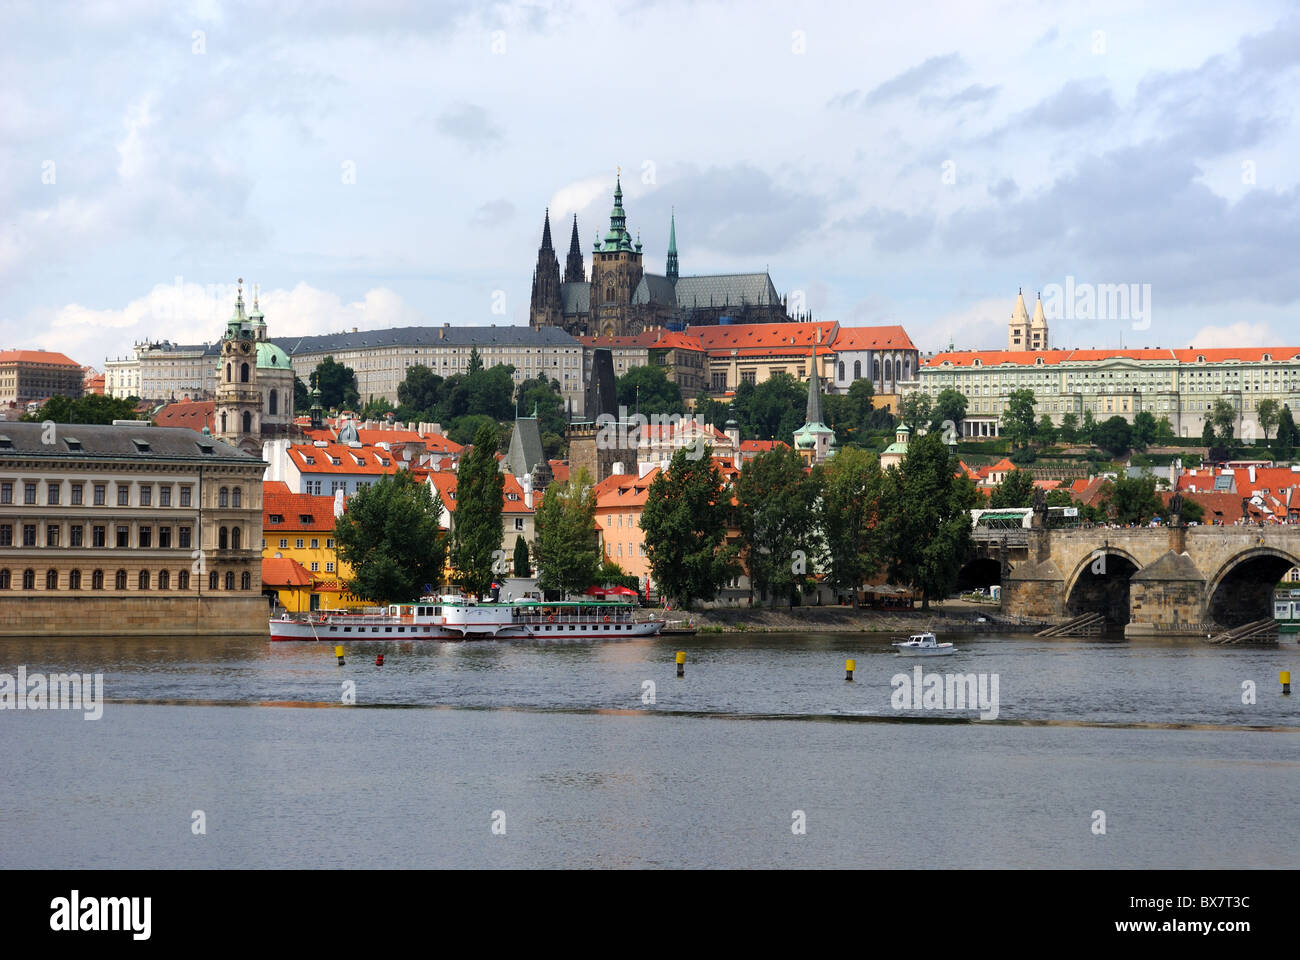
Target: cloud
(1239,334)
(471,125)
(891,231)
(493,213)
(910,82)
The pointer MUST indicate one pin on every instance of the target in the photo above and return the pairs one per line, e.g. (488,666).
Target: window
(165,537)
(183,537)
(273,403)
(213,582)
(230,580)
(6,493)
(97,535)
(29,579)
(6,534)
(223,539)
(245,581)
(183,580)
(100,493)
(315,544)
(146,538)
(52,493)
(235,534)
(144,580)
(298,543)
(124,536)
(29,534)
(284,544)
(223,497)
(248,422)
(146,496)
(29,493)
(51,580)
(52,535)
(243,373)
(119,581)
(97,580)
(329,543)
(315,567)
(185,496)
(164,496)
(164,580)
(123,495)
(78,494)
(519,523)
(237,497)
(329,567)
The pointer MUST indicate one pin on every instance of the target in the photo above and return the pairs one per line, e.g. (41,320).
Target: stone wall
(157,616)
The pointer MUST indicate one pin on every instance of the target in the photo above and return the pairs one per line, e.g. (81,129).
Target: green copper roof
(618,238)
(271,357)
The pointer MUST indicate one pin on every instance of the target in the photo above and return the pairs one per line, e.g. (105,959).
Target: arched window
(164,580)
(51,580)
(227,373)
(29,579)
(223,421)
(875,370)
(223,497)
(74,579)
(857,369)
(898,370)
(237,497)
(234,538)
(273,403)
(213,582)
(183,580)
(609,293)
(841,370)
(97,580)
(248,422)
(243,373)
(144,580)
(223,539)
(6,580)
(245,581)
(907,369)
(230,580)
(119,581)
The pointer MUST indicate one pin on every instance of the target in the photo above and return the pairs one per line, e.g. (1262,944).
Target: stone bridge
(1153,580)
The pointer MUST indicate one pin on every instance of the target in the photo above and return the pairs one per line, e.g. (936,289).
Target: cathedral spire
(546,230)
(574,271)
(671,272)
(813,412)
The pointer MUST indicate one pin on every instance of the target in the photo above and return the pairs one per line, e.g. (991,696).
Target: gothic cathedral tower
(615,272)
(574,271)
(546,308)
(239,401)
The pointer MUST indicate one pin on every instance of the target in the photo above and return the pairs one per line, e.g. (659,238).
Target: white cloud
(1239,334)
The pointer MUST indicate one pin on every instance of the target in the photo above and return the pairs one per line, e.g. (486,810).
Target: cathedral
(254,383)
(622,299)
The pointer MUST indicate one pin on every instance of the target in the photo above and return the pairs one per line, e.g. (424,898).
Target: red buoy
(379,660)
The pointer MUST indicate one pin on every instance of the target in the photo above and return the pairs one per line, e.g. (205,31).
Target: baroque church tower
(615,272)
(546,308)
(254,382)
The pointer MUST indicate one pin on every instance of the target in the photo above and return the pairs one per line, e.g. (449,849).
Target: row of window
(99,536)
(144,580)
(227,497)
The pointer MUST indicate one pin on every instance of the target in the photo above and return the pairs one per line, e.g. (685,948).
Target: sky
(388,163)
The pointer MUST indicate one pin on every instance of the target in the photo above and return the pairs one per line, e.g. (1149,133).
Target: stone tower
(615,272)
(1018,328)
(237,413)
(546,308)
(1038,327)
(574,271)
(671,270)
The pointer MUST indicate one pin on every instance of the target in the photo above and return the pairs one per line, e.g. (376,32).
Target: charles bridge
(1174,580)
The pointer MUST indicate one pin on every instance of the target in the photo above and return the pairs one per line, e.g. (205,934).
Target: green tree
(337,385)
(475,364)
(1287,437)
(1018,418)
(1069,429)
(566,549)
(684,522)
(377,409)
(1045,432)
(949,405)
(847,514)
(771,410)
(301,396)
(611,574)
(421,392)
(522,567)
(774,511)
(915,410)
(1224,417)
(1087,428)
(466,429)
(1134,499)
(543,396)
(927,526)
(1207,433)
(853,415)
(476,532)
(1145,429)
(91,408)
(708,410)
(1164,429)
(649,391)
(1267,415)
(390,537)
(1114,435)
(1015,490)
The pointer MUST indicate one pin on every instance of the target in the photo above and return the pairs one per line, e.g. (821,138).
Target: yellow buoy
(338,652)
(681,663)
(1286,681)
(849,667)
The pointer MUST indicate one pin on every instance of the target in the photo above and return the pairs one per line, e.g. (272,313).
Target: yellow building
(300,527)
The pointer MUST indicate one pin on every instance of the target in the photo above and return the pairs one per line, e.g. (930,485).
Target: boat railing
(566,618)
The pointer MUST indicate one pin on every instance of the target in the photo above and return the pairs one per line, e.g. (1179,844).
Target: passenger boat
(444,618)
(923,645)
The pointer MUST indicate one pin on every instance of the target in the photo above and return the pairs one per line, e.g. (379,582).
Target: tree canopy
(566,550)
(390,537)
(90,408)
(337,385)
(648,390)
(476,531)
(774,510)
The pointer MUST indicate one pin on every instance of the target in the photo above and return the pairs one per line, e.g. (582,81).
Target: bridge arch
(1241,590)
(1100,584)
(979,573)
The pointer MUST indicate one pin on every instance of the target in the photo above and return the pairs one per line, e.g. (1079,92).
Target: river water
(594,754)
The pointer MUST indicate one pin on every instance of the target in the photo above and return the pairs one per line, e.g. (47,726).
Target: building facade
(161,371)
(33,376)
(681,357)
(128,531)
(300,527)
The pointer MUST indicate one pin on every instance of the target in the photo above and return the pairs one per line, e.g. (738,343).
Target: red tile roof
(873,338)
(279,501)
(284,572)
(37,356)
(991,358)
(195,414)
(761,446)
(371,459)
(661,339)
(774,339)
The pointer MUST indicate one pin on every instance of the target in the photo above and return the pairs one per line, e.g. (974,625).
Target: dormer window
(277,518)
(305,518)
(336,461)
(309,461)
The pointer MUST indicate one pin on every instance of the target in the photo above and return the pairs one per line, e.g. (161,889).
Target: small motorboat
(923,645)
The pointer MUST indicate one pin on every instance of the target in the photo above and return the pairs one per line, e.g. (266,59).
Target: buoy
(681,663)
(338,652)
(379,660)
(849,666)
(1286,682)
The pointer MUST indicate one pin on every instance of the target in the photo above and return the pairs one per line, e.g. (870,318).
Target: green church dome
(271,357)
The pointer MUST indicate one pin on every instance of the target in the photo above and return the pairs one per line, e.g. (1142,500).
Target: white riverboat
(443,618)
(923,645)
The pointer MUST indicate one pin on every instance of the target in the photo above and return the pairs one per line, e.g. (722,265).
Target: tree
(1015,490)
(377,409)
(1144,430)
(1164,429)
(1134,499)
(847,514)
(1045,432)
(475,364)
(1207,432)
(1018,417)
(465,429)
(771,410)
(390,537)
(522,567)
(543,396)
(708,410)
(915,410)
(1224,418)
(91,408)
(774,511)
(337,385)
(476,532)
(649,391)
(1284,443)
(1068,431)
(566,550)
(1114,435)
(1267,415)
(301,396)
(853,415)
(927,525)
(684,522)
(421,392)
(949,405)
(1087,428)
(611,574)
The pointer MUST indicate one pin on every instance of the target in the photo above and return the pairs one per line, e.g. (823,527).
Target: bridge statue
(1176,510)
(1040,507)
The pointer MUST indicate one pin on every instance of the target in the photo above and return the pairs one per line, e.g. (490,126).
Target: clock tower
(239,401)
(615,272)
